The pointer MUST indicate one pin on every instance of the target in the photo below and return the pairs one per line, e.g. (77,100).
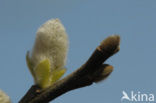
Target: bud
(103,73)
(111,44)
(48,57)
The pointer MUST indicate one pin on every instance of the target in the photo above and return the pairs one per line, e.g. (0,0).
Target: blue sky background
(87,23)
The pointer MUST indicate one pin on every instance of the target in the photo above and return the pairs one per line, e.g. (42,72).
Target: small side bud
(111,44)
(104,71)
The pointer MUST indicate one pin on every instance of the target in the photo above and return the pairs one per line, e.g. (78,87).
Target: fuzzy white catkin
(4,98)
(51,43)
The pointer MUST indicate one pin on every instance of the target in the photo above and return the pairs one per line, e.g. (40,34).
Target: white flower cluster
(52,43)
(48,57)
(4,98)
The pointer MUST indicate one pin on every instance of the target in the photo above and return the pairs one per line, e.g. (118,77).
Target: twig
(92,71)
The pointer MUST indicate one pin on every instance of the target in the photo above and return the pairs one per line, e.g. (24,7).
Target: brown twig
(92,71)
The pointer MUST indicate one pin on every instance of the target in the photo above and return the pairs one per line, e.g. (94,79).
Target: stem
(92,71)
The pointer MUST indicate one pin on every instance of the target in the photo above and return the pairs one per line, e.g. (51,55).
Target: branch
(92,71)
